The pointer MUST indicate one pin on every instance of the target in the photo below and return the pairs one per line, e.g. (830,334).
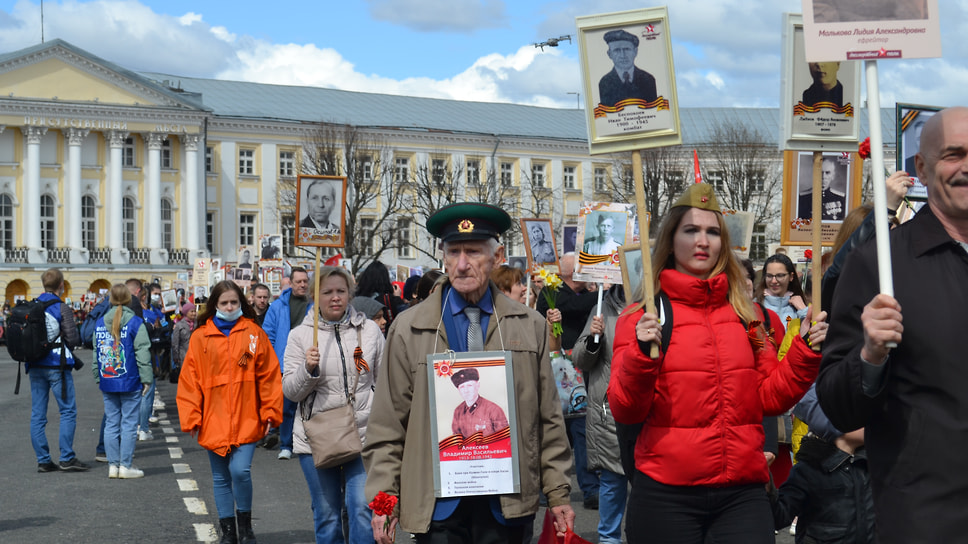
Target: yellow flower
(543,274)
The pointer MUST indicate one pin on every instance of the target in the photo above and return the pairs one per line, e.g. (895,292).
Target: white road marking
(181,468)
(196,506)
(205,532)
(168,430)
(175,453)
(171,439)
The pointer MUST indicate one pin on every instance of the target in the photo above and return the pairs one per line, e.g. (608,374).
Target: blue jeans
(43,381)
(232,480)
(613,490)
(587,480)
(328,499)
(100,440)
(147,402)
(288,417)
(121,426)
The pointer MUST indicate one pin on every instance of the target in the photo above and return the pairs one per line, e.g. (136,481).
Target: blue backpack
(90,323)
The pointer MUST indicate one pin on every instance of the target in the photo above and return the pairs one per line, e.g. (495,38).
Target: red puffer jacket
(703,401)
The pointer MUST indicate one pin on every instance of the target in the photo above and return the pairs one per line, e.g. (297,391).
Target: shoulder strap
(766,316)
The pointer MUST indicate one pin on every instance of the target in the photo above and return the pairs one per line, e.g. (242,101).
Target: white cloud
(440,15)
(190,18)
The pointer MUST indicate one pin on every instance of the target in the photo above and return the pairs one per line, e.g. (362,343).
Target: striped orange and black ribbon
(361,365)
(658,104)
(803,109)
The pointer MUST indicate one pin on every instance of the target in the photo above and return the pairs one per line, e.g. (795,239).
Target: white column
(152,204)
(192,212)
(31,205)
(75,137)
(115,201)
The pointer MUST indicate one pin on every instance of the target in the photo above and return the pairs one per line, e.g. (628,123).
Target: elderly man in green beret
(467,313)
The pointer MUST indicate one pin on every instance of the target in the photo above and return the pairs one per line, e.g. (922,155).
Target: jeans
(669,514)
(121,426)
(587,480)
(611,506)
(232,480)
(100,439)
(328,499)
(44,380)
(147,404)
(288,417)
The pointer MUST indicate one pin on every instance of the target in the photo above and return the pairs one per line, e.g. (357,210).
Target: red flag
(334,260)
(695,165)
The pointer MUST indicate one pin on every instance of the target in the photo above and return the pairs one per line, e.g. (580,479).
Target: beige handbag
(333,435)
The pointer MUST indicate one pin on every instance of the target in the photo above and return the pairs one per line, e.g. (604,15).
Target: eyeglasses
(777,277)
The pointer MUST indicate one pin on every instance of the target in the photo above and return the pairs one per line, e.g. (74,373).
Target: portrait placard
(910,121)
(866,30)
(201,271)
(569,238)
(270,252)
(321,207)
(539,243)
(740,227)
(246,257)
(169,300)
(475,451)
(819,106)
(841,178)
(630,259)
(628,80)
(603,227)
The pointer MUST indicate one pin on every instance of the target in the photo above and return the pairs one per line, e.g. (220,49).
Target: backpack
(27,338)
(90,323)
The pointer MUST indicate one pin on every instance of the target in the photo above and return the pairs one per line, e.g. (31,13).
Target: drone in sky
(553,42)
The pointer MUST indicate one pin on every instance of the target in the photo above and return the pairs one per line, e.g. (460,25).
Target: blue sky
(727,52)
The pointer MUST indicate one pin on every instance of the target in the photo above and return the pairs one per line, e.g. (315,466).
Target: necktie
(627,78)
(475,338)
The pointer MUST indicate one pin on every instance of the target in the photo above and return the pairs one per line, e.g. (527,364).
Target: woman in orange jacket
(229,395)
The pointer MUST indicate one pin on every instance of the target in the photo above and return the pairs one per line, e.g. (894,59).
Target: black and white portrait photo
(540,242)
(833,176)
(604,232)
(625,80)
(569,238)
(322,210)
(271,247)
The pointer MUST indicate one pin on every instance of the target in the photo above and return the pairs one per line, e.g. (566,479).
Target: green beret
(699,195)
(463,221)
(621,36)
(465,375)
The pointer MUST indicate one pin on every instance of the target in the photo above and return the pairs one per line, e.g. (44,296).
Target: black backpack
(90,323)
(26,332)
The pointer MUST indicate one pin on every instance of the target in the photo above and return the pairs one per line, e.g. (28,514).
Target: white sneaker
(128,473)
(285,454)
(113,471)
(144,435)
(153,419)
(793,528)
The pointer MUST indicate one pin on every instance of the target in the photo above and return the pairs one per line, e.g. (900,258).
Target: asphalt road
(173,503)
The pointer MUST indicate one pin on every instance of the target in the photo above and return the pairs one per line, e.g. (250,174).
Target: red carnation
(383,504)
(808,254)
(864,150)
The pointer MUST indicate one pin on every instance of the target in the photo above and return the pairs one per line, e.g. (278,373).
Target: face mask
(230,317)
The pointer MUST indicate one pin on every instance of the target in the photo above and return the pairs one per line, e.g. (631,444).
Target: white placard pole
(598,310)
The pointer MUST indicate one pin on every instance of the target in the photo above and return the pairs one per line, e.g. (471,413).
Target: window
(6,222)
(507,174)
(401,170)
(601,180)
(538,175)
(210,231)
(246,162)
(88,223)
(758,243)
(715,178)
(438,169)
(127,152)
(287,164)
(758,180)
(366,165)
(167,225)
(368,239)
(209,160)
(128,223)
(48,232)
(404,238)
(474,172)
(247,229)
(166,154)
(568,177)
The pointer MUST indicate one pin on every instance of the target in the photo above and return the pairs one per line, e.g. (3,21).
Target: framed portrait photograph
(910,120)
(841,179)
(518,262)
(740,227)
(539,243)
(628,80)
(321,211)
(603,228)
(820,101)
(169,300)
(871,30)
(473,423)
(569,238)
(246,257)
(270,249)
(630,259)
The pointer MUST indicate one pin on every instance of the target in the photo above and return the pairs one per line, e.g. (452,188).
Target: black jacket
(830,491)
(916,419)
(574,308)
(611,88)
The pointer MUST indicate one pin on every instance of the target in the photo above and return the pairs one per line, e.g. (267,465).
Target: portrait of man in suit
(825,87)
(321,199)
(625,80)
(833,197)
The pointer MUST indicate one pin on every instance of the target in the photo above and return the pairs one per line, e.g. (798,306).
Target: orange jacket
(229,386)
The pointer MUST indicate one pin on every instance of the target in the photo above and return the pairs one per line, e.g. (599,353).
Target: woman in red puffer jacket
(699,460)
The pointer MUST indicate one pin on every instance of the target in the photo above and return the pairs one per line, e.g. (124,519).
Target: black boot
(229,536)
(246,536)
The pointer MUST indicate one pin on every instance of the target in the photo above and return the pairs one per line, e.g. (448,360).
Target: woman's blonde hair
(663,257)
(120,297)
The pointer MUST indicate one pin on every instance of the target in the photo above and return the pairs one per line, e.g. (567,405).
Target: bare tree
(372,200)
(434,183)
(663,176)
